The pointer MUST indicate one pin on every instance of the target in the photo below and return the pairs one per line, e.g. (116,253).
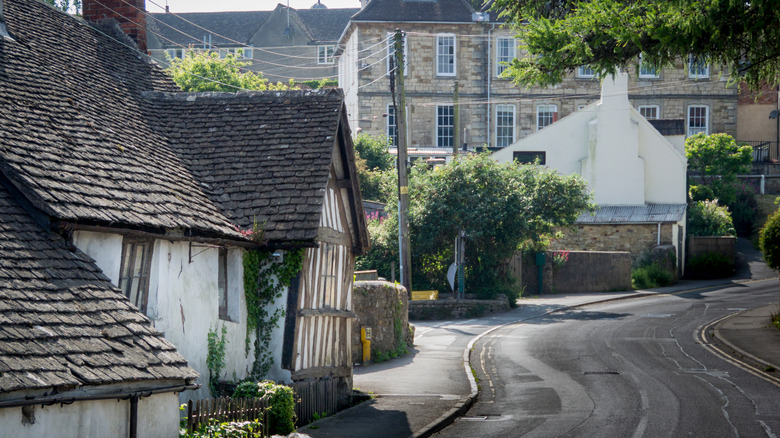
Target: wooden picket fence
(225,409)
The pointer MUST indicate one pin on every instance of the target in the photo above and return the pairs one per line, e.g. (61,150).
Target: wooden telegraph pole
(405,254)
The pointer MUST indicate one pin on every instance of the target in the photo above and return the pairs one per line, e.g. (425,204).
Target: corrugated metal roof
(624,214)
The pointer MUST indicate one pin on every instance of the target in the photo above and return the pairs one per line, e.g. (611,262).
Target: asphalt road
(632,368)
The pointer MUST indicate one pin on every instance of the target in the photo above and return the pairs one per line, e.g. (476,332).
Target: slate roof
(449,11)
(188,28)
(75,134)
(62,324)
(626,214)
(273,169)
(326,25)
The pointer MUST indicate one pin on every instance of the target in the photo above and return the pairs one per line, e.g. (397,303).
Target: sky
(242,5)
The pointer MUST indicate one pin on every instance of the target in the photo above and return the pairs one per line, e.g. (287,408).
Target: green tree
(717,159)
(769,241)
(205,71)
(374,165)
(66,5)
(707,218)
(561,35)
(499,206)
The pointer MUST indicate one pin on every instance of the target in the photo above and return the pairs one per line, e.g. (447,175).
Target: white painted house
(636,174)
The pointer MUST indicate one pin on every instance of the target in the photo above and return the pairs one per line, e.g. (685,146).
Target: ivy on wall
(215,358)
(264,282)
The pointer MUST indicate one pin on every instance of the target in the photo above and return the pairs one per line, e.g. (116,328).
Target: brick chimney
(130,14)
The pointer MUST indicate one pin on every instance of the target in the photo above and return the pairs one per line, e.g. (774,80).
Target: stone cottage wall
(637,239)
(384,307)
(583,272)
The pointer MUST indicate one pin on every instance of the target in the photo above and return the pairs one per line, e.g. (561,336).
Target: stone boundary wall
(426,310)
(384,307)
(585,271)
(724,245)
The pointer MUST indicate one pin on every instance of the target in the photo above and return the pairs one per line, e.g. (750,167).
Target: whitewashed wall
(348,78)
(158,416)
(183,302)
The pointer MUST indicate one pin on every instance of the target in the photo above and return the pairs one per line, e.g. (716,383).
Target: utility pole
(404,250)
(456,123)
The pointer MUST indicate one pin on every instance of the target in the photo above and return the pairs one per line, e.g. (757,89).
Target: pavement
(419,394)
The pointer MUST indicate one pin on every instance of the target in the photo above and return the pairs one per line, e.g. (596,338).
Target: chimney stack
(130,14)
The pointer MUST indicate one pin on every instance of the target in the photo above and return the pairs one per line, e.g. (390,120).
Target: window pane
(650,112)
(133,279)
(546,115)
(392,126)
(530,157)
(698,68)
(505,125)
(505,52)
(445,50)
(222,282)
(445,125)
(697,120)
(586,72)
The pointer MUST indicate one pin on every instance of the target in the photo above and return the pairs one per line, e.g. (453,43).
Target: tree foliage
(374,165)
(561,35)
(66,5)
(499,206)
(205,71)
(707,218)
(717,159)
(769,241)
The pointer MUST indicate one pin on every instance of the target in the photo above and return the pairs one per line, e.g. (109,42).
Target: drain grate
(601,372)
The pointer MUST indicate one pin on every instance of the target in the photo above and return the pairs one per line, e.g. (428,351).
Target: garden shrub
(700,193)
(232,429)
(707,218)
(744,211)
(769,241)
(709,265)
(281,416)
(650,276)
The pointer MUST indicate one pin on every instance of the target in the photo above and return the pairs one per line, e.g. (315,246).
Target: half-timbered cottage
(292,171)
(156,186)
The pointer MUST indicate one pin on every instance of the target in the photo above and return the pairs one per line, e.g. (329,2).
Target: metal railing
(764,151)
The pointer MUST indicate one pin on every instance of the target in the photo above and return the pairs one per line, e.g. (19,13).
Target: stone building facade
(448,43)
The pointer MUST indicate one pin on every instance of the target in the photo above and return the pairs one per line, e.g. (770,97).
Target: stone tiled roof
(263,156)
(75,135)
(62,324)
(326,25)
(449,11)
(188,28)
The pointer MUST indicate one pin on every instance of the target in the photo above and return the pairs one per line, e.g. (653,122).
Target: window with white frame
(650,112)
(445,126)
(546,115)
(391,52)
(325,54)
(505,53)
(505,125)
(134,271)
(238,52)
(445,55)
(647,70)
(247,52)
(392,125)
(698,120)
(586,71)
(698,68)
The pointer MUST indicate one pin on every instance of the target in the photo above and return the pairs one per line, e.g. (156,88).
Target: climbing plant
(264,282)
(215,358)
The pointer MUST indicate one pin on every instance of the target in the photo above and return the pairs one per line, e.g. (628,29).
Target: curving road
(631,368)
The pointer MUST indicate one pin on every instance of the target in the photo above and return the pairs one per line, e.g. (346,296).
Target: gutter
(65,400)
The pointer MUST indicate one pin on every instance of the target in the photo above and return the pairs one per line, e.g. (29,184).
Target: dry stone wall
(384,307)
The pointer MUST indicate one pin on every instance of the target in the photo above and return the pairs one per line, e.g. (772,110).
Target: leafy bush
(709,265)
(717,159)
(650,276)
(281,417)
(700,193)
(707,218)
(744,211)
(769,241)
(233,429)
(375,167)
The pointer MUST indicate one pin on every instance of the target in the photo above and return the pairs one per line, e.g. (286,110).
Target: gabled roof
(75,136)
(449,11)
(264,156)
(188,28)
(62,324)
(326,25)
